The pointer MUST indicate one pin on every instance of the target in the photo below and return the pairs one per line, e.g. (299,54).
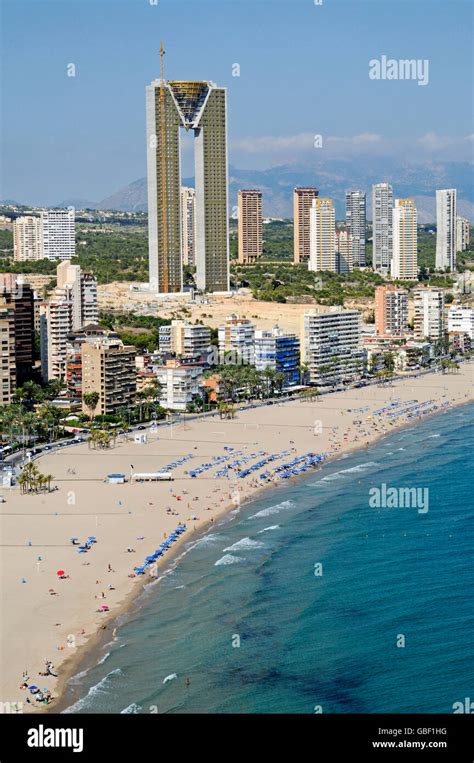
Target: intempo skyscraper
(200,107)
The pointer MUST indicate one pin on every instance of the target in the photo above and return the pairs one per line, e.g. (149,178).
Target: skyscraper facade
(446,229)
(382,205)
(200,107)
(302,201)
(188,224)
(27,239)
(322,225)
(249,225)
(356,224)
(405,240)
(58,234)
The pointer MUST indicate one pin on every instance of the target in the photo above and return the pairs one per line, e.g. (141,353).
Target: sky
(304,71)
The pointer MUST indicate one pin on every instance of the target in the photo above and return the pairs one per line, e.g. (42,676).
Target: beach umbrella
(60,573)
(33,688)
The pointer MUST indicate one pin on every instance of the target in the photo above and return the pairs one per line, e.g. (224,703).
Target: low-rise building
(461,319)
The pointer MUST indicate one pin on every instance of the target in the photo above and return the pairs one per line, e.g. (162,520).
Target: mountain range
(332,178)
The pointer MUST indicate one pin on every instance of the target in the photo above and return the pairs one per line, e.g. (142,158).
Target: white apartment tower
(345,251)
(188,224)
(446,229)
(322,235)
(405,241)
(72,306)
(331,345)
(27,239)
(58,232)
(356,224)
(382,205)
(429,313)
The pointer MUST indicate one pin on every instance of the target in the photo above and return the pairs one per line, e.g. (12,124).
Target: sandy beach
(50,618)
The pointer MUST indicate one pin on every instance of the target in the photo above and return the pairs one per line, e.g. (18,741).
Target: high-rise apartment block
(249,223)
(72,305)
(356,224)
(19,296)
(331,346)
(280,352)
(322,225)
(58,233)
(7,360)
(302,202)
(429,313)
(382,206)
(27,239)
(405,241)
(446,229)
(108,368)
(344,251)
(237,335)
(184,338)
(391,310)
(463,234)
(200,107)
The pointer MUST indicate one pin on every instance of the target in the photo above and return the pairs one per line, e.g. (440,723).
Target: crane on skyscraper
(164,216)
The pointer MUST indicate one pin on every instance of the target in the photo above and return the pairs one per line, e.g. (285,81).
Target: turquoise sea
(246,625)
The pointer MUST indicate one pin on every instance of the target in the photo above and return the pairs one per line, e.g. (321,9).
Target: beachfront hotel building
(27,239)
(322,236)
(302,201)
(279,351)
(90,333)
(7,342)
(404,264)
(382,206)
(199,107)
(463,234)
(188,224)
(183,338)
(344,251)
(58,234)
(446,229)
(181,383)
(108,368)
(249,226)
(429,313)
(72,305)
(55,325)
(237,336)
(461,320)
(391,310)
(19,295)
(356,224)
(332,346)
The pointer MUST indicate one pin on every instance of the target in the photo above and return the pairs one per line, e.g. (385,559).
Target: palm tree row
(31,480)
(101,438)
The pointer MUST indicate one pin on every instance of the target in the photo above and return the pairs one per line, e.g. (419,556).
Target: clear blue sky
(304,71)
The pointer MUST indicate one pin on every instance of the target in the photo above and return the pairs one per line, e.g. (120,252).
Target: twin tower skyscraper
(200,107)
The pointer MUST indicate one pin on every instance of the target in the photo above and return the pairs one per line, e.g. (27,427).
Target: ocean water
(243,623)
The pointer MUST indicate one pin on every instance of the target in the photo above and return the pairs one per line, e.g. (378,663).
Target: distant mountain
(78,204)
(332,178)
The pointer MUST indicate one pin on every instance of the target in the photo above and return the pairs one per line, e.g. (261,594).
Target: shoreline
(132,604)
(251,429)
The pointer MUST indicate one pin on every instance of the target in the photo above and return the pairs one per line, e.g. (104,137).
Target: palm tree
(90,401)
